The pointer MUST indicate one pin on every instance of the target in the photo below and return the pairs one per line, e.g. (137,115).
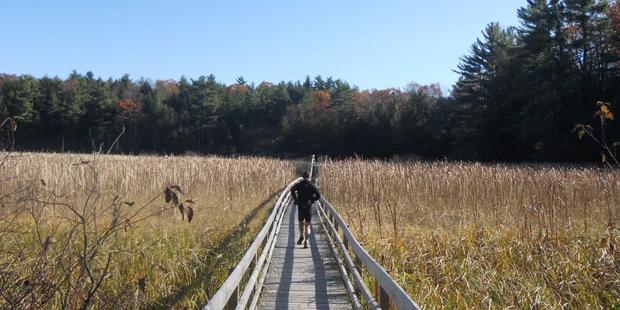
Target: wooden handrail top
(342,245)
(221,297)
(397,295)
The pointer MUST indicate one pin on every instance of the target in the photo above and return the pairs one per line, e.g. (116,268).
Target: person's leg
(301,232)
(308,224)
(300,218)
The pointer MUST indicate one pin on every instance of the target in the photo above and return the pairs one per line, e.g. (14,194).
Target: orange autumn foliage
(361,96)
(170,87)
(69,85)
(265,85)
(128,106)
(238,88)
(322,98)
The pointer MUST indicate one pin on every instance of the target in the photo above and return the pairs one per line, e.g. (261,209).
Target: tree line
(327,116)
(520,92)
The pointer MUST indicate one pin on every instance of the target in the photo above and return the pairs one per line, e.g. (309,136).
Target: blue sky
(371,44)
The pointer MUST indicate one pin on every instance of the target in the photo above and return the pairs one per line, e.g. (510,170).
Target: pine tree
(481,95)
(19,96)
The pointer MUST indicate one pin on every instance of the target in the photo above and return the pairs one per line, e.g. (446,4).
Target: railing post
(358,265)
(263,245)
(331,219)
(314,171)
(234,299)
(385,299)
(334,232)
(382,296)
(256,266)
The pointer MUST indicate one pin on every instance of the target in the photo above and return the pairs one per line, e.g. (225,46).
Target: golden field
(99,230)
(459,235)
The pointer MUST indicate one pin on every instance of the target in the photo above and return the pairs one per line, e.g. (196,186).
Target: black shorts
(304,212)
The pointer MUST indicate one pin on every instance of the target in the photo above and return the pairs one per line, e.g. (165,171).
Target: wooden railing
(228,295)
(353,262)
(357,260)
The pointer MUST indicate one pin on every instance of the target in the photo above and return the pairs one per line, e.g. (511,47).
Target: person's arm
(316,193)
(294,193)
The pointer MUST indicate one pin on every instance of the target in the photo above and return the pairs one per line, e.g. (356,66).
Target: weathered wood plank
(303,306)
(231,288)
(301,278)
(299,285)
(307,296)
(307,289)
(310,278)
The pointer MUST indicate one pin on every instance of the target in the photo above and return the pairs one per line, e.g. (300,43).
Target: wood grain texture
(301,278)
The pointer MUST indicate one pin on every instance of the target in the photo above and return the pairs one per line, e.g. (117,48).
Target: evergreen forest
(521,91)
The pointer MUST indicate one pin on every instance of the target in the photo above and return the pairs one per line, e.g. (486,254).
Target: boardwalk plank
(303,306)
(301,278)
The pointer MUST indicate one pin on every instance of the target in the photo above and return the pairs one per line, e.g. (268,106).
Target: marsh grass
(460,235)
(455,235)
(154,258)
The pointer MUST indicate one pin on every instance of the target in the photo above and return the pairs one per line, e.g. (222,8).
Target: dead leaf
(168,194)
(142,284)
(603,243)
(182,210)
(190,214)
(177,188)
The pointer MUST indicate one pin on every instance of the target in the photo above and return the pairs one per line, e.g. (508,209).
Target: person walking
(304,194)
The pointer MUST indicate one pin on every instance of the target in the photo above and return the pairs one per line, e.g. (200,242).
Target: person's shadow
(286,278)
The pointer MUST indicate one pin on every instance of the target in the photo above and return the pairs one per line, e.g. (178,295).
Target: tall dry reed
(159,261)
(466,235)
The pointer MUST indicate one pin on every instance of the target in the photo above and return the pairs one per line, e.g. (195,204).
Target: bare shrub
(96,231)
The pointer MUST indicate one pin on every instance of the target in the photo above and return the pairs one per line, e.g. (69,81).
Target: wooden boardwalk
(276,273)
(301,278)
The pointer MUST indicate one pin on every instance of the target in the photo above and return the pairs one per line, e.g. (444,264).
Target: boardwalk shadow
(289,258)
(303,278)
(320,288)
